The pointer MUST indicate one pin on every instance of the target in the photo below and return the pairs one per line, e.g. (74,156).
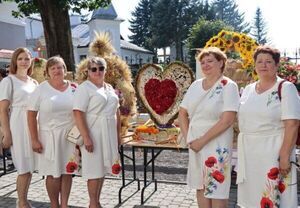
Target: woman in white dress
(98,120)
(268,132)
(52,101)
(206,116)
(15,90)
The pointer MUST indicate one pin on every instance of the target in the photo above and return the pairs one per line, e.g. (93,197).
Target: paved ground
(170,165)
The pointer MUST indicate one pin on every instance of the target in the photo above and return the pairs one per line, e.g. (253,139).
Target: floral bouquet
(289,71)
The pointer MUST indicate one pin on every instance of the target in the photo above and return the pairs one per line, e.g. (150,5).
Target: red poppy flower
(273,173)
(281,186)
(218,176)
(224,82)
(210,161)
(116,168)
(71,167)
(266,203)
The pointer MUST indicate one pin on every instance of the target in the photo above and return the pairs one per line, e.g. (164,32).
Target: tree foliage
(140,24)
(258,30)
(56,22)
(227,11)
(172,20)
(201,32)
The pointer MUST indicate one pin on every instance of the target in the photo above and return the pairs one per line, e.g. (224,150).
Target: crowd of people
(35,119)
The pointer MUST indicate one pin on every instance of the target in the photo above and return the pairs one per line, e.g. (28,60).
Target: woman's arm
(290,135)
(226,120)
(81,124)
(118,114)
(183,122)
(32,125)
(4,119)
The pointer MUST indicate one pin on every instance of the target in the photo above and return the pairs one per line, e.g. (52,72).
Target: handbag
(279,95)
(74,136)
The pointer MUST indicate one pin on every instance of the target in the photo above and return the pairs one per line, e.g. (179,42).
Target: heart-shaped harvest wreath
(161,91)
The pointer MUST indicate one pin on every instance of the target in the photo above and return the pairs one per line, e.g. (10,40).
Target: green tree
(200,33)
(56,22)
(171,21)
(227,11)
(258,30)
(140,24)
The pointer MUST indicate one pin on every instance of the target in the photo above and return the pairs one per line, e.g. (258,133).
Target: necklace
(22,77)
(261,89)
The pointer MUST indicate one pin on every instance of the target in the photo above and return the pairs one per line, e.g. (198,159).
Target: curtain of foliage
(227,11)
(201,32)
(140,24)
(259,30)
(56,22)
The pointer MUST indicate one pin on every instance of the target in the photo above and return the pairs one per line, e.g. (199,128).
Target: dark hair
(275,53)
(216,52)
(3,72)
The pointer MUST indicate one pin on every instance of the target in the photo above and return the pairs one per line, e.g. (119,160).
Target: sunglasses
(94,69)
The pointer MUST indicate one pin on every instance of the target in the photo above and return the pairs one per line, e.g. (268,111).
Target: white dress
(210,168)
(55,118)
(100,106)
(22,154)
(259,142)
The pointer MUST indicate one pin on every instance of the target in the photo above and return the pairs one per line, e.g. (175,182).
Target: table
(146,146)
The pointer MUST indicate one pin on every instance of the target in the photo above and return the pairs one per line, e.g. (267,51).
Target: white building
(29,32)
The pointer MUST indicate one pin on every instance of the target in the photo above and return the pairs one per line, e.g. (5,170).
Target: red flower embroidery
(71,167)
(210,161)
(281,186)
(160,94)
(266,203)
(224,82)
(116,168)
(218,176)
(273,173)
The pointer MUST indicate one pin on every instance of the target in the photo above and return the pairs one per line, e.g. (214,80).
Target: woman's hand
(197,145)
(88,144)
(37,146)
(7,140)
(284,166)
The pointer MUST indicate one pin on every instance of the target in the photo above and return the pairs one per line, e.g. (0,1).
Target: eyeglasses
(94,69)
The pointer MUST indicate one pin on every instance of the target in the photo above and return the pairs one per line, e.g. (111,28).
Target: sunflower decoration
(229,42)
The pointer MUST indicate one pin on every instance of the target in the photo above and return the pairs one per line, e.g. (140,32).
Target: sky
(281,16)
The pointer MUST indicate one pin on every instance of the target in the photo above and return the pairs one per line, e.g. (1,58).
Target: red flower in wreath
(210,161)
(224,82)
(273,173)
(36,60)
(266,203)
(71,167)
(281,186)
(116,168)
(218,176)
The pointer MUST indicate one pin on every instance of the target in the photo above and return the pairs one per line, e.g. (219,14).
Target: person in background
(266,176)
(97,116)
(57,158)
(206,116)
(15,90)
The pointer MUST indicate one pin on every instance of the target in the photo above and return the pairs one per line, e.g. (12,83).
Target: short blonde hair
(13,63)
(55,60)
(216,52)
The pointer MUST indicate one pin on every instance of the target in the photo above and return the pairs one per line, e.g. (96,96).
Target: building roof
(108,13)
(4,53)
(130,46)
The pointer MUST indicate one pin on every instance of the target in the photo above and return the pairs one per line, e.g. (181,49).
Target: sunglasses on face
(94,69)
